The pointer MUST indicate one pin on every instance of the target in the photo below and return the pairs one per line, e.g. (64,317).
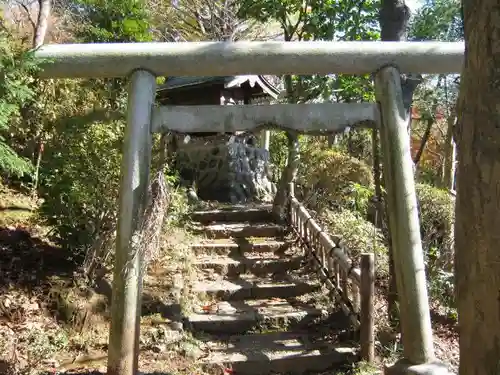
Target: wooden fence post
(403,219)
(266,139)
(367,292)
(291,189)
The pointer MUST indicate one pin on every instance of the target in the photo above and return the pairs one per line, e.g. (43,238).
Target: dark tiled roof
(174,83)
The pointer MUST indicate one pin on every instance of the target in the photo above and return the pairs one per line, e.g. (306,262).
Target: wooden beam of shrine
(303,118)
(108,60)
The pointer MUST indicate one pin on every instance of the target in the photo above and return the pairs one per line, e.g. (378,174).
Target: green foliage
(81,180)
(317,19)
(359,198)
(265,10)
(112,21)
(81,165)
(42,345)
(330,178)
(11,164)
(357,143)
(178,203)
(81,171)
(437,215)
(342,20)
(322,20)
(278,151)
(16,70)
(437,20)
(359,236)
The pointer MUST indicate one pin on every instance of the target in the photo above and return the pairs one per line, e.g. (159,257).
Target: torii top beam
(106,60)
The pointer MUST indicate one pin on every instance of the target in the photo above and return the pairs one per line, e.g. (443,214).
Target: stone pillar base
(404,367)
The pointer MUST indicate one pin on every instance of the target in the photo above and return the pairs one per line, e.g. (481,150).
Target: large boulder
(225,168)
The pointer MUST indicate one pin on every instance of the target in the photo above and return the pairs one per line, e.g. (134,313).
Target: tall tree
(394,16)
(41,28)
(314,20)
(217,20)
(477,259)
(42,23)
(441,20)
(437,20)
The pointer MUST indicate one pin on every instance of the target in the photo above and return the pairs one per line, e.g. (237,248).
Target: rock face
(226,168)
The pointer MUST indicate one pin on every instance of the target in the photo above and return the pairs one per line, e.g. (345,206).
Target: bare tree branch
(208,20)
(28,14)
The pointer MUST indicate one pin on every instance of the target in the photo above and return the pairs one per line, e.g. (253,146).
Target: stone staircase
(258,318)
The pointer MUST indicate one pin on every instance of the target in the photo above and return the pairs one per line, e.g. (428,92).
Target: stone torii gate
(143,62)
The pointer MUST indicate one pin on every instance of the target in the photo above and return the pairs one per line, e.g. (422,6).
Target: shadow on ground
(38,268)
(90,372)
(28,262)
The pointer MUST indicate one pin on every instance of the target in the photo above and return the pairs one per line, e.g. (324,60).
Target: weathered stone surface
(241,316)
(225,245)
(403,367)
(284,353)
(244,214)
(239,230)
(250,286)
(255,263)
(226,168)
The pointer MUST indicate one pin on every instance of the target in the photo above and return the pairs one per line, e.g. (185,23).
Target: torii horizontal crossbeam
(303,118)
(106,60)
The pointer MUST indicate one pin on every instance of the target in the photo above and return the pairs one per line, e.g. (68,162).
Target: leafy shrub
(278,151)
(16,68)
(358,198)
(178,203)
(359,236)
(330,178)
(82,174)
(357,143)
(82,179)
(437,215)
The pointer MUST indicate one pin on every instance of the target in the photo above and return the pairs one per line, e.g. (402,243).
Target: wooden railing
(352,287)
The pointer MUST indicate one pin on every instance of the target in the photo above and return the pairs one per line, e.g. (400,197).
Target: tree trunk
(292,164)
(332,140)
(448,172)
(41,27)
(423,142)
(477,235)
(42,23)
(287,176)
(394,16)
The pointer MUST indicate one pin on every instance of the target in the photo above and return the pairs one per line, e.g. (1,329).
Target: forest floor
(53,322)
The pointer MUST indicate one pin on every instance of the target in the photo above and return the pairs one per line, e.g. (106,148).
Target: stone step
(242,316)
(261,213)
(255,263)
(239,230)
(226,245)
(283,353)
(252,287)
